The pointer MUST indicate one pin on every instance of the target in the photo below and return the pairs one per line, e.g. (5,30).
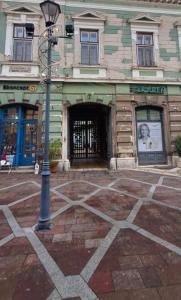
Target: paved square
(115,236)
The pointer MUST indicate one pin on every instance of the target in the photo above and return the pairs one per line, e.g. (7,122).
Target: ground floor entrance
(90,135)
(150,135)
(18,133)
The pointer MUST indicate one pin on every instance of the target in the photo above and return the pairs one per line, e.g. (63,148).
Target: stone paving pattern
(115,236)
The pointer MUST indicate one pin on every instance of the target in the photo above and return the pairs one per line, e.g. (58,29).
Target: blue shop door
(28,142)
(18,133)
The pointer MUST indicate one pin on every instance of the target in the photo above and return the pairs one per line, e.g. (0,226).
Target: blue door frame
(24,143)
(27,153)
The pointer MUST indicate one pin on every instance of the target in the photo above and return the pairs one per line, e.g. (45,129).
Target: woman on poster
(144,140)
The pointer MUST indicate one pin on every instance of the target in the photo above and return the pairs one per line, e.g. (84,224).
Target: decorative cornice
(144,19)
(18,9)
(89,15)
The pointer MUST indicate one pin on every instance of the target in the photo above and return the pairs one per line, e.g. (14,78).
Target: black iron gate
(88,134)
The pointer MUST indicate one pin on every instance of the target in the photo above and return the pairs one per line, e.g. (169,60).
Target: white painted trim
(136,74)
(77,74)
(19,19)
(95,15)
(151,28)
(9,38)
(171,10)
(139,20)
(6,71)
(64,132)
(93,24)
(165,81)
(145,27)
(122,7)
(16,9)
(179,39)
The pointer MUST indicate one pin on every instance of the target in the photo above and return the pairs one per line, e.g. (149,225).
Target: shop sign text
(144,89)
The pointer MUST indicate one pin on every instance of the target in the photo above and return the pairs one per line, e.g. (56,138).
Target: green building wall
(2,32)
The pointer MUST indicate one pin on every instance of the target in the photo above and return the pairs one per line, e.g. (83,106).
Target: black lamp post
(51,11)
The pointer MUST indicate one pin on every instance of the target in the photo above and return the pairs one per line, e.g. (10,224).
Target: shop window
(154,115)
(11,113)
(31,114)
(141,115)
(151,114)
(89,47)
(150,135)
(22,45)
(145,48)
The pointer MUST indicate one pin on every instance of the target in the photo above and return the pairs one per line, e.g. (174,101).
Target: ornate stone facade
(117,81)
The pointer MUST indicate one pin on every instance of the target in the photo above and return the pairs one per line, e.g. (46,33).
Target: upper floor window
(89,47)
(145,46)
(22,45)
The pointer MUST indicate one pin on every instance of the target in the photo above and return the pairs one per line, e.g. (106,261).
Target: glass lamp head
(51,11)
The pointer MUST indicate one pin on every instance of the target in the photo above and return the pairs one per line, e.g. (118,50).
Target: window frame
(88,20)
(23,40)
(89,44)
(147,61)
(146,24)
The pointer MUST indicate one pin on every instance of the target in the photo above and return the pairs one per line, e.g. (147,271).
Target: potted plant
(178,150)
(54,154)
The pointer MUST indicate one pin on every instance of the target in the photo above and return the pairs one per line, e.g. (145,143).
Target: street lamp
(51,11)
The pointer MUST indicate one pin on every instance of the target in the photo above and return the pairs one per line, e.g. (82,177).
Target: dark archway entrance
(90,135)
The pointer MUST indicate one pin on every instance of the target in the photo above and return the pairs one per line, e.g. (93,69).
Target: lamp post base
(43,225)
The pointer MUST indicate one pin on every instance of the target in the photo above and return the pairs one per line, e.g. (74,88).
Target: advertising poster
(149,135)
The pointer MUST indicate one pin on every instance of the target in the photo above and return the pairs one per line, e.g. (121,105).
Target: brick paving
(115,236)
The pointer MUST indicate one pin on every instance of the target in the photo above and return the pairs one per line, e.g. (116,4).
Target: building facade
(115,92)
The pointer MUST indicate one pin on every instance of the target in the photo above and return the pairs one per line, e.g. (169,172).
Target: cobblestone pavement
(115,236)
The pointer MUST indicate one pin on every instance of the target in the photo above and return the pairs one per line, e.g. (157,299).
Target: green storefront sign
(148,89)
